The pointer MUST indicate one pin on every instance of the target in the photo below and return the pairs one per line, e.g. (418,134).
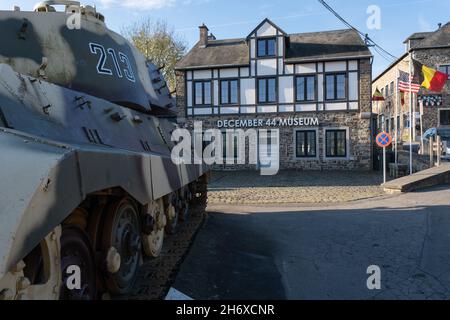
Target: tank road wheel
(174,212)
(121,240)
(200,192)
(76,251)
(172,215)
(186,198)
(155,223)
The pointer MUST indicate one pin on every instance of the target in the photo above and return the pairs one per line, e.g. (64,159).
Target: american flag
(403,83)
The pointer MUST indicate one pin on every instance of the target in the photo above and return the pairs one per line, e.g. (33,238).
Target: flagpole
(396,119)
(421,126)
(411,170)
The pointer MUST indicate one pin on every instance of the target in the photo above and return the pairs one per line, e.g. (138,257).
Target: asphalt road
(324,252)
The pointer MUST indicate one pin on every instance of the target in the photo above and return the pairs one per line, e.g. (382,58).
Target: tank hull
(53,158)
(91,59)
(86,164)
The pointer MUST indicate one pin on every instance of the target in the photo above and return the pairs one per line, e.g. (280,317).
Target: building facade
(315,88)
(430,109)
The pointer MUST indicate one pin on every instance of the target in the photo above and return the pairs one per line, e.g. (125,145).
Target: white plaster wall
(229,73)
(252,48)
(306,68)
(280,46)
(248,110)
(267,67)
(267,109)
(229,110)
(248,94)
(286,108)
(189,94)
(286,89)
(305,107)
(353,65)
(252,68)
(320,87)
(354,105)
(353,85)
(336,106)
(289,69)
(245,72)
(266,30)
(202,111)
(202,74)
(216,92)
(335,66)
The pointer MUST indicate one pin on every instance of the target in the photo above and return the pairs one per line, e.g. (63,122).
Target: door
(268,151)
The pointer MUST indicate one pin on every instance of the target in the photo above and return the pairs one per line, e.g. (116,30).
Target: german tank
(87,183)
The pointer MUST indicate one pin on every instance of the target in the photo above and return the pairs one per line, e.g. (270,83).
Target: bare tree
(158,43)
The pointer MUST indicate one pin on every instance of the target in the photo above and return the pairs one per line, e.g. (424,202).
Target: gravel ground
(248,187)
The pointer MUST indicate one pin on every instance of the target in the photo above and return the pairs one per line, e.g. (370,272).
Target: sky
(237,18)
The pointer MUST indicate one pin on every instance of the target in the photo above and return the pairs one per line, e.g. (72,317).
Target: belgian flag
(378,96)
(429,78)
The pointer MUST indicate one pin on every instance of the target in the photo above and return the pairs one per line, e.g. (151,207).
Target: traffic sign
(384,140)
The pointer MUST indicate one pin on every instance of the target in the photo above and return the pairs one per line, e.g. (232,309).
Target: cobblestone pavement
(323,252)
(248,187)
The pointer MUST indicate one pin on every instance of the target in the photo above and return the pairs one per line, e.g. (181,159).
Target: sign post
(384,140)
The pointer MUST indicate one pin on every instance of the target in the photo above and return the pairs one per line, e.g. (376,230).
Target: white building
(272,74)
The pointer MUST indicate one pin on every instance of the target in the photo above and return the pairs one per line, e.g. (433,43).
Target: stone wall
(431,58)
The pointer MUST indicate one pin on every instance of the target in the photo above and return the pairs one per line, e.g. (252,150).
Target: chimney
(203,35)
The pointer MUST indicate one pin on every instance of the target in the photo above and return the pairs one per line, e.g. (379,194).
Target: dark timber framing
(281,70)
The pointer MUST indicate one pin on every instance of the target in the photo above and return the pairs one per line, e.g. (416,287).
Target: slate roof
(433,39)
(327,45)
(439,38)
(231,52)
(418,36)
(301,47)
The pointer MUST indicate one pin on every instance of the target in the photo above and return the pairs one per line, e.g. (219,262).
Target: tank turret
(75,49)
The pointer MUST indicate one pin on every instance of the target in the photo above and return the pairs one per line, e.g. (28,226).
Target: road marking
(175,295)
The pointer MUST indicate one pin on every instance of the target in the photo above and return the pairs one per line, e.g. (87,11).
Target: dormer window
(267,47)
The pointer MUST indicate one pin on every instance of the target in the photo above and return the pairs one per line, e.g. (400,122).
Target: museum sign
(273,123)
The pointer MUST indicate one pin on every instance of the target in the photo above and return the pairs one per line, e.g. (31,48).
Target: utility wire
(381,54)
(368,40)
